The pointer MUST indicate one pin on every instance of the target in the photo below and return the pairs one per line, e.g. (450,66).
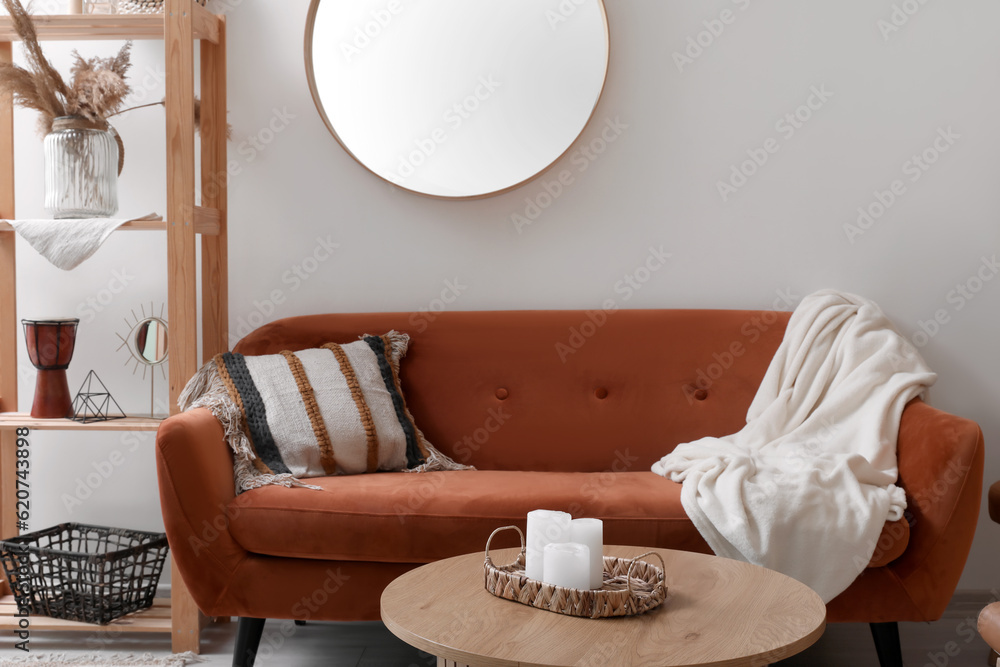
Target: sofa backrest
(566,390)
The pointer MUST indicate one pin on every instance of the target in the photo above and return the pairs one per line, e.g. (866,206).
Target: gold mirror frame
(310,77)
(137,330)
(130,341)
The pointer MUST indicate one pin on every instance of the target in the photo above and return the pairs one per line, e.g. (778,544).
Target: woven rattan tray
(631,586)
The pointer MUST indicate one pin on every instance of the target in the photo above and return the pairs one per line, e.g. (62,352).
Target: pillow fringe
(436,462)
(399,343)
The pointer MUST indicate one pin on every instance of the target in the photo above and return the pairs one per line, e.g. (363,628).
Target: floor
(371,645)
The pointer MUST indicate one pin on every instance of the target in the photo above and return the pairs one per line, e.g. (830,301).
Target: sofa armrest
(941,469)
(194,468)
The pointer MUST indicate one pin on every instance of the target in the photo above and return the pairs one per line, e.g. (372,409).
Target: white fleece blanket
(67,243)
(806,487)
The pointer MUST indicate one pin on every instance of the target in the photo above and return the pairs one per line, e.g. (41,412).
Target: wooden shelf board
(11,420)
(206,221)
(110,27)
(154,619)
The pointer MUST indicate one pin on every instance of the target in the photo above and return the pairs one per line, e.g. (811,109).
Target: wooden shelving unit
(187,224)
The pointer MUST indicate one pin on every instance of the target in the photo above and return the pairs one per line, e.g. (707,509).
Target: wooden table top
(718,612)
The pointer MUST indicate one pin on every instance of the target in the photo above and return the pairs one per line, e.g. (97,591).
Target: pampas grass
(97,90)
(99,87)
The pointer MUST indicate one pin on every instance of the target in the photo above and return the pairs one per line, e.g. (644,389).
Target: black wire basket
(84,573)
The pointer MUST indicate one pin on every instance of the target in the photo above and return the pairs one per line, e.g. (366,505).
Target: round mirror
(452,98)
(150,341)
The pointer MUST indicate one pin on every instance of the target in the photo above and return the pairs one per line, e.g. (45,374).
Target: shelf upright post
(8,317)
(182,276)
(214,194)
(182,279)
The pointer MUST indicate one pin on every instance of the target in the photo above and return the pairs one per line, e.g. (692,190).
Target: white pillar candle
(567,564)
(544,527)
(591,533)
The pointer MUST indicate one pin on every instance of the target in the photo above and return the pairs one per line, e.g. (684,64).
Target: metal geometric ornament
(93,403)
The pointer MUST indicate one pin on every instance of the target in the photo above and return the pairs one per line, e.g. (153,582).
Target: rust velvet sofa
(557,409)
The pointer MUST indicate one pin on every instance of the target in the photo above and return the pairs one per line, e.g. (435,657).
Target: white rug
(97,660)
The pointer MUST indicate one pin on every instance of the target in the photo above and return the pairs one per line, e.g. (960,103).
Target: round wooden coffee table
(717,612)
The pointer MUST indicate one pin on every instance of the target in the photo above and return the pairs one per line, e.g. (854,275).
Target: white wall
(655,185)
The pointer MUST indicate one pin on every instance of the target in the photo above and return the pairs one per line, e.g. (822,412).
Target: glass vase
(81,170)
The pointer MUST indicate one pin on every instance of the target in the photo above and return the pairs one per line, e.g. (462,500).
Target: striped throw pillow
(332,410)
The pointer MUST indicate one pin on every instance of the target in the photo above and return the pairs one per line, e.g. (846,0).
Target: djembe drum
(50,349)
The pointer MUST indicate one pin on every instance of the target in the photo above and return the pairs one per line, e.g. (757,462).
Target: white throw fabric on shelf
(806,487)
(67,243)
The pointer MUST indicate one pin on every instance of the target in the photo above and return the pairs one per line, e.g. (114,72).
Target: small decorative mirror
(146,341)
(453,98)
(150,342)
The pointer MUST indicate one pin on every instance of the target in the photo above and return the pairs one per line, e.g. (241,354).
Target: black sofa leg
(248,634)
(886,636)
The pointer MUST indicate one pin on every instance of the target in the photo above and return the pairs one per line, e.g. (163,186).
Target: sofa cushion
(407,518)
